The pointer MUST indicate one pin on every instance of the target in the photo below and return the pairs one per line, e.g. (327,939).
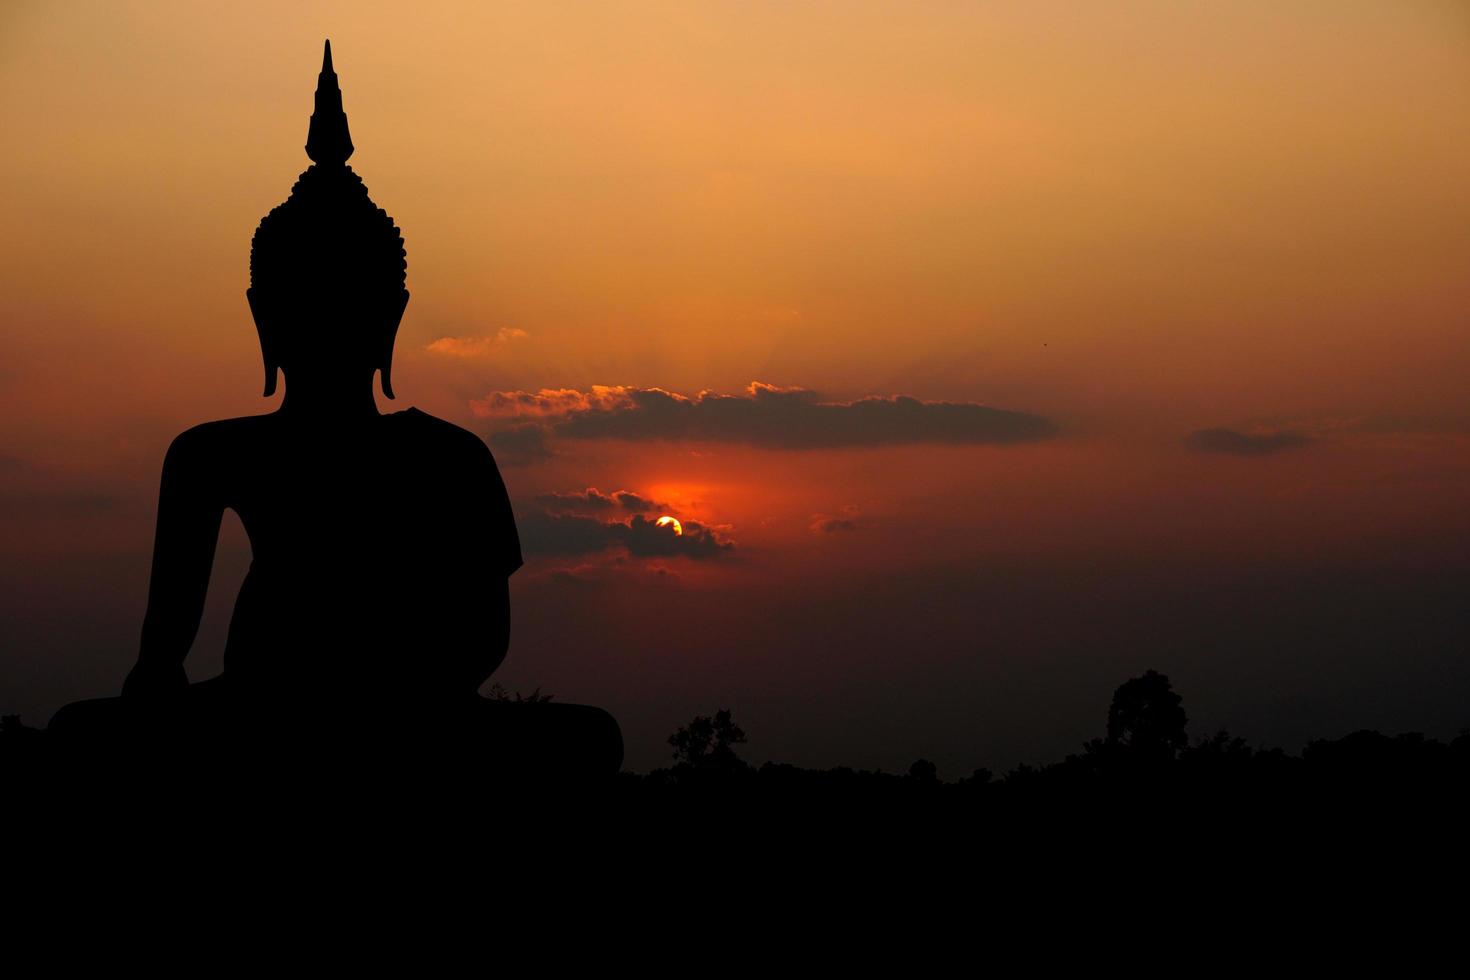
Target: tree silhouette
(924,771)
(708,742)
(1147,719)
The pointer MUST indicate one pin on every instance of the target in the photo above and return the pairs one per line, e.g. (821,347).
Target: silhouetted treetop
(1147,718)
(708,741)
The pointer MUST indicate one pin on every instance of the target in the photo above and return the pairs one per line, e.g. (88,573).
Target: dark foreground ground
(1144,762)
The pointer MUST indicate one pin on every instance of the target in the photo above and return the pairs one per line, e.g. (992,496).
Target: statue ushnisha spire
(327,141)
(328,255)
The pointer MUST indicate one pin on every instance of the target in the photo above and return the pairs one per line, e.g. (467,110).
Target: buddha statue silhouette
(381,544)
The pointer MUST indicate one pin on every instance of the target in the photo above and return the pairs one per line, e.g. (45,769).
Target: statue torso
(371,545)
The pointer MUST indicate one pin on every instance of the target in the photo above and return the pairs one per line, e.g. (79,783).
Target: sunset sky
(991,352)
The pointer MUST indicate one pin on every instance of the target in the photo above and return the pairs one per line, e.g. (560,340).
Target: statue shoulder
(452,437)
(210,438)
(206,458)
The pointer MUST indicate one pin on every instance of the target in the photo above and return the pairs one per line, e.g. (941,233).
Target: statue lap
(219,724)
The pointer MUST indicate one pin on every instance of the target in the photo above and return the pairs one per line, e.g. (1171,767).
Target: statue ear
(385,362)
(271,365)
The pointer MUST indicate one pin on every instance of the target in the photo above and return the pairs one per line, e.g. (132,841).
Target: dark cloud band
(1232,443)
(765,415)
(594,501)
(576,534)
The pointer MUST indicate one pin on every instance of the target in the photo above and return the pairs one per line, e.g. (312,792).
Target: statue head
(327,266)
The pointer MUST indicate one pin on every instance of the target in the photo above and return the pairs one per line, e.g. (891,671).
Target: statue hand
(155,682)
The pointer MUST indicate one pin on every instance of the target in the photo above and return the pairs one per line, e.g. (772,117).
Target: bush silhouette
(498,692)
(708,743)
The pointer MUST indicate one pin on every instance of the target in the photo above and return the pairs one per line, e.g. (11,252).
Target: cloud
(548,402)
(601,574)
(1233,443)
(647,539)
(564,534)
(765,415)
(836,523)
(475,346)
(519,446)
(594,501)
(575,534)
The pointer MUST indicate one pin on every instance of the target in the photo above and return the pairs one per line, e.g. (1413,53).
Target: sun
(673,522)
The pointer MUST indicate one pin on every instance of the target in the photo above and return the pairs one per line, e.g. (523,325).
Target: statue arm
(189,514)
(499,554)
(492,653)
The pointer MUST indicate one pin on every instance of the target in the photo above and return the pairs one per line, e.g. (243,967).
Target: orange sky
(1136,219)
